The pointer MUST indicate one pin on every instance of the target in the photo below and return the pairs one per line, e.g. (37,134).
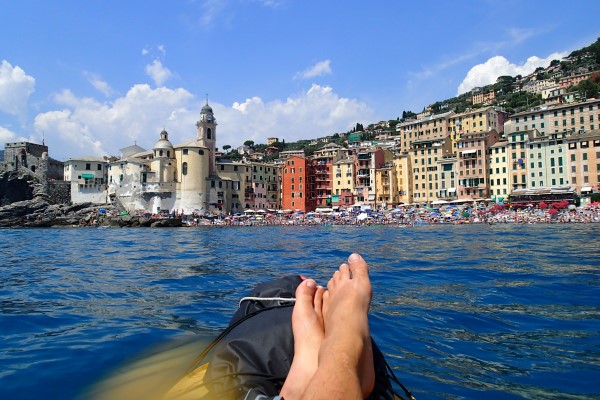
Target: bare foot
(307,325)
(345,307)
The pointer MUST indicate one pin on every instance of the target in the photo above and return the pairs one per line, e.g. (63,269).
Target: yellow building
(343,182)
(424,161)
(429,126)
(403,176)
(499,171)
(476,120)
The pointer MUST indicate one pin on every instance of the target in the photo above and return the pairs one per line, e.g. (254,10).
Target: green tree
(249,143)
(227,148)
(588,89)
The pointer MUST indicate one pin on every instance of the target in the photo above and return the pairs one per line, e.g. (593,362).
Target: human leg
(307,326)
(345,356)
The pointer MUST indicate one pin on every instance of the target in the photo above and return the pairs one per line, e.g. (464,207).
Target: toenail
(354,257)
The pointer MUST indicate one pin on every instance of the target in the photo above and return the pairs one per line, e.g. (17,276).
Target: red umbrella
(543,205)
(553,211)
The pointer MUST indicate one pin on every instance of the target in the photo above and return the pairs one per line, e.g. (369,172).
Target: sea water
(461,312)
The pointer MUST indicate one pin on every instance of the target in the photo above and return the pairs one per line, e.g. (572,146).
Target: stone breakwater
(40,213)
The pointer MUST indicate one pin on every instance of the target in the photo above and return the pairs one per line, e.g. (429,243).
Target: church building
(172,178)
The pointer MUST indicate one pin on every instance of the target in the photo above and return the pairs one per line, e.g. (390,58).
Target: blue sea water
(461,312)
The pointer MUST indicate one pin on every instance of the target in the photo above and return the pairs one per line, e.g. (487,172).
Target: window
(99,167)
(201,152)
(185,152)
(184,168)
(88,166)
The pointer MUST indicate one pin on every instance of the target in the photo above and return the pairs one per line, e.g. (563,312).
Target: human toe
(357,265)
(305,292)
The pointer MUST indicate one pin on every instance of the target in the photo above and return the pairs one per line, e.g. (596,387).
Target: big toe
(358,266)
(305,292)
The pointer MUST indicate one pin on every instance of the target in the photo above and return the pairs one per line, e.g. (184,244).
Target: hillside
(510,94)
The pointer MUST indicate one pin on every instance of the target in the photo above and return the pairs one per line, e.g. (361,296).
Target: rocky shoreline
(27,203)
(40,213)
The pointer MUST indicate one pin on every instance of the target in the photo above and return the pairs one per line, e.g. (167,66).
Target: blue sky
(91,77)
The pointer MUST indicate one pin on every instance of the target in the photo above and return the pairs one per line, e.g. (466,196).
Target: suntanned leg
(345,358)
(307,326)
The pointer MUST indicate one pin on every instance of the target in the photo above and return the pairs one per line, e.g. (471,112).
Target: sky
(91,77)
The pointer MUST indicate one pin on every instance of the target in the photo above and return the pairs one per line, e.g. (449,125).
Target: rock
(166,223)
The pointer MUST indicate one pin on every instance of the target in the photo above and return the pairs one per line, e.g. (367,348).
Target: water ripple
(462,312)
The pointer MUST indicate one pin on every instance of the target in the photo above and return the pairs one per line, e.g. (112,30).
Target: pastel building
(547,161)
(539,118)
(343,182)
(424,162)
(264,185)
(323,170)
(583,151)
(447,178)
(576,117)
(235,174)
(517,158)
(499,171)
(403,177)
(367,161)
(476,120)
(88,177)
(429,126)
(473,164)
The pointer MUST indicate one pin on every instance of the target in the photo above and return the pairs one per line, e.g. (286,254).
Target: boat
(246,357)
(252,355)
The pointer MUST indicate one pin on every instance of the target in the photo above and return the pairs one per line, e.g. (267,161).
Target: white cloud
(489,71)
(6,135)
(100,85)
(314,113)
(158,72)
(319,69)
(145,51)
(15,88)
(85,126)
(211,9)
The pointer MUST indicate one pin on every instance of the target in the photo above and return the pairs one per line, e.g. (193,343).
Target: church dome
(163,143)
(206,110)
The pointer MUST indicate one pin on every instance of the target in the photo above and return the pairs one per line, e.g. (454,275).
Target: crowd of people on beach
(410,216)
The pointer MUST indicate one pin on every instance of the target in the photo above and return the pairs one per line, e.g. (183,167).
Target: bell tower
(207,130)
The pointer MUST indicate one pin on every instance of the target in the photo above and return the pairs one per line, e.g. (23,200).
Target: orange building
(297,185)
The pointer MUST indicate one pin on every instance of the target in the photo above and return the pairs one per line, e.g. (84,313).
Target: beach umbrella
(543,205)
(434,214)
(362,216)
(465,214)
